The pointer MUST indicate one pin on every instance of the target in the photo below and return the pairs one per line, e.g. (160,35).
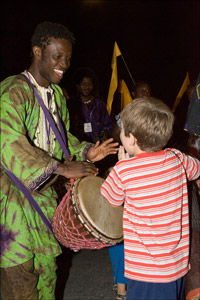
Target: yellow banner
(125,94)
(182,90)
(114,78)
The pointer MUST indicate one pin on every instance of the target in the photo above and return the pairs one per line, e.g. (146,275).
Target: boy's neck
(138,151)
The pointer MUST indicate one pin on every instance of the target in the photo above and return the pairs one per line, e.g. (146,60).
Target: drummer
(32,154)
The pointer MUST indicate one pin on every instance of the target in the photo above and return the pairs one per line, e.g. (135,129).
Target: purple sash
(61,139)
(28,196)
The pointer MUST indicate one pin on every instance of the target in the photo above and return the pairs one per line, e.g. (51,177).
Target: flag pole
(127,69)
(121,98)
(181,92)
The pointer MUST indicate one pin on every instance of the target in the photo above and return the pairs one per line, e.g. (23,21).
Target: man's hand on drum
(76,169)
(99,151)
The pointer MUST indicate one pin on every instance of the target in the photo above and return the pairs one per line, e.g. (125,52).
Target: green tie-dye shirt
(23,232)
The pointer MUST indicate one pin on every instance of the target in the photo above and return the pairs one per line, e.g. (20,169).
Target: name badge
(87,127)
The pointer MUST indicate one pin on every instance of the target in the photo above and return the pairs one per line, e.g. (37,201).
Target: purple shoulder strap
(60,139)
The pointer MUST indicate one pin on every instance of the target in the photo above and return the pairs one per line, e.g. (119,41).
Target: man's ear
(37,51)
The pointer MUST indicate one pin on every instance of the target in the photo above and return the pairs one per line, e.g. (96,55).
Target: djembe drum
(84,219)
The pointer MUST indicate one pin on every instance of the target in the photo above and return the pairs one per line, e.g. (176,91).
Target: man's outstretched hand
(99,151)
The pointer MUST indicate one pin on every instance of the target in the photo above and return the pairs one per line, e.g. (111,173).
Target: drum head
(105,218)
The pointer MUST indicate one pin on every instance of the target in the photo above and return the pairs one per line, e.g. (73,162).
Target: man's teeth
(58,72)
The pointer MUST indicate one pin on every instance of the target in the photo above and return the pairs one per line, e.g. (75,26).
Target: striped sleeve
(112,189)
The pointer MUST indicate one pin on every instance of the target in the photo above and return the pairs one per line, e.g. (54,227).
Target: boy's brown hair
(150,121)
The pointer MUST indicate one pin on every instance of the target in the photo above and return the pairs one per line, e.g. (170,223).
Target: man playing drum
(31,156)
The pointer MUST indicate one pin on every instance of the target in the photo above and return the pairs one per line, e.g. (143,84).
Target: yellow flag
(182,90)
(114,77)
(125,94)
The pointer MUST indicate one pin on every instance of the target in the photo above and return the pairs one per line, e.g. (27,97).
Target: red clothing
(153,188)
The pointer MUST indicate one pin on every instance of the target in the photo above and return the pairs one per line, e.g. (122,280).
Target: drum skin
(104,218)
(84,219)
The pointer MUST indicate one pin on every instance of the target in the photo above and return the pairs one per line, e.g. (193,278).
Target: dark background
(159,40)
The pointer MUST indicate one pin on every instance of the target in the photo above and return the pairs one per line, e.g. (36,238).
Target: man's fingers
(96,145)
(107,141)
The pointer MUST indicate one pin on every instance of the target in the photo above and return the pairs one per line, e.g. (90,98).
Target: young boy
(153,187)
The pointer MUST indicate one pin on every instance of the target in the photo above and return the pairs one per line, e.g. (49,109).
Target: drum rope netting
(69,230)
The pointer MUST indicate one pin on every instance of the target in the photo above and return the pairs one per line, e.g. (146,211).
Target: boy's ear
(133,140)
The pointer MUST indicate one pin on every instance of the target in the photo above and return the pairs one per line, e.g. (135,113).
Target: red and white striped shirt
(153,188)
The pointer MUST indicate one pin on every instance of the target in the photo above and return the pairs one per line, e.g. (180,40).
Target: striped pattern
(153,188)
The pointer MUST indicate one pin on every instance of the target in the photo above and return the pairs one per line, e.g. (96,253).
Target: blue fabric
(96,113)
(98,116)
(118,120)
(139,290)
(116,254)
(193,114)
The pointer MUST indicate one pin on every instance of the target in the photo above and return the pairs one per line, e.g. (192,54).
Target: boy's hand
(122,154)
